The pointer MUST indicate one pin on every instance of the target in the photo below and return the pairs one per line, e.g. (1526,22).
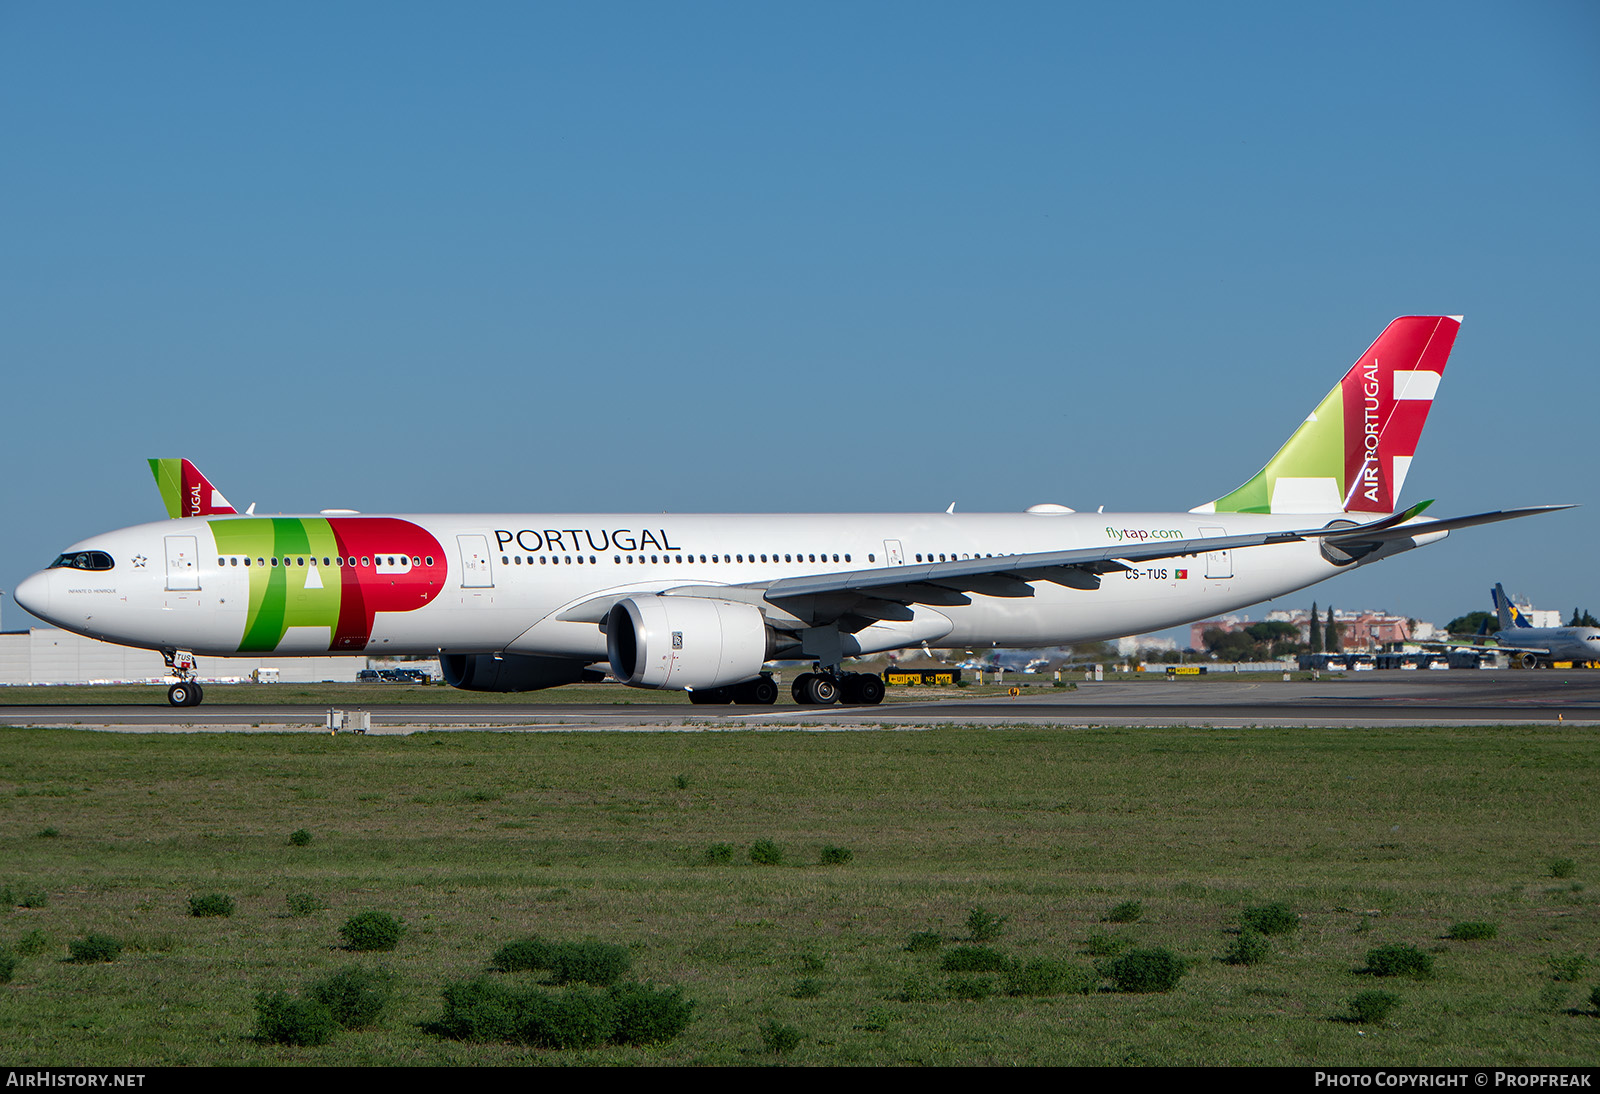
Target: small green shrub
(1563,867)
(480,1010)
(810,961)
(588,962)
(282,1019)
(366,932)
(304,904)
(210,905)
(914,990)
(567,962)
(8,965)
(34,942)
(973,988)
(1145,970)
(1250,948)
(923,942)
(1371,1007)
(1399,959)
(680,782)
(878,1019)
(522,955)
(1129,911)
(300,837)
(974,959)
(1567,967)
(983,925)
(93,948)
(1594,998)
(780,1039)
(836,856)
(356,997)
(764,852)
(809,988)
(1472,931)
(1045,977)
(1104,944)
(645,1015)
(574,1018)
(23,898)
(719,854)
(48,833)
(1274,918)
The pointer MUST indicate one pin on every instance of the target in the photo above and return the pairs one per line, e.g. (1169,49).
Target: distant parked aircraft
(1533,647)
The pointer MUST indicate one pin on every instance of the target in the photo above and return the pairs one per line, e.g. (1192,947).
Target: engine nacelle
(685,642)
(513,672)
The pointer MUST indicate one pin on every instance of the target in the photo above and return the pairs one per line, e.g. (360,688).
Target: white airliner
(1535,647)
(701,602)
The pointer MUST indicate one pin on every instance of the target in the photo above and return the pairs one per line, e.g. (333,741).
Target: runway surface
(1377,698)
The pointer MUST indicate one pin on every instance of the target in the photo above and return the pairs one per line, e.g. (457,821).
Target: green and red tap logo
(332,572)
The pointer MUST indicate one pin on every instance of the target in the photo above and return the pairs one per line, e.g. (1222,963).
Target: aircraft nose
(34,594)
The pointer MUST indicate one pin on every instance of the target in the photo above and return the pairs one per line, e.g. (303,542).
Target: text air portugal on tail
(1353,452)
(703,602)
(186,492)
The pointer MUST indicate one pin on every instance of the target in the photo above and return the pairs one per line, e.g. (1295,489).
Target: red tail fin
(186,492)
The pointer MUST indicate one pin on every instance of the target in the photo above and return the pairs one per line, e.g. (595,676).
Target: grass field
(1373,836)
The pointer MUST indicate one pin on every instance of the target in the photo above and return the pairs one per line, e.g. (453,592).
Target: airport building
(43,655)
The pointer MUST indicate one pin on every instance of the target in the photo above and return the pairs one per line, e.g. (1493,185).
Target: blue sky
(743,257)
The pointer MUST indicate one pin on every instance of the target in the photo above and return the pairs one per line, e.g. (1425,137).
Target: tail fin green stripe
(169,480)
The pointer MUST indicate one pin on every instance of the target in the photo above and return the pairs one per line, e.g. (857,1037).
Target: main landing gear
(758,692)
(861,689)
(185,693)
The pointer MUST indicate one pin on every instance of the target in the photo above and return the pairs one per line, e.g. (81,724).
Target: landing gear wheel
(711,696)
(758,692)
(819,689)
(861,689)
(185,695)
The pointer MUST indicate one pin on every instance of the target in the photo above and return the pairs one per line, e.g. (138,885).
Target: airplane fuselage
(362,584)
(1553,643)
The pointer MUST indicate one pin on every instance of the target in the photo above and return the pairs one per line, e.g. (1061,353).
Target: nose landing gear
(185,693)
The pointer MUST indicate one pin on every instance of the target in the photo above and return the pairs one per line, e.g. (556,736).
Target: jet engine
(686,642)
(513,672)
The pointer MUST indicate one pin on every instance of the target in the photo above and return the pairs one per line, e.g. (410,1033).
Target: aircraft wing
(856,599)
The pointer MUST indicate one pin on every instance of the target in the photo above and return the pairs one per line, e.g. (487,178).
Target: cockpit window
(84,560)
